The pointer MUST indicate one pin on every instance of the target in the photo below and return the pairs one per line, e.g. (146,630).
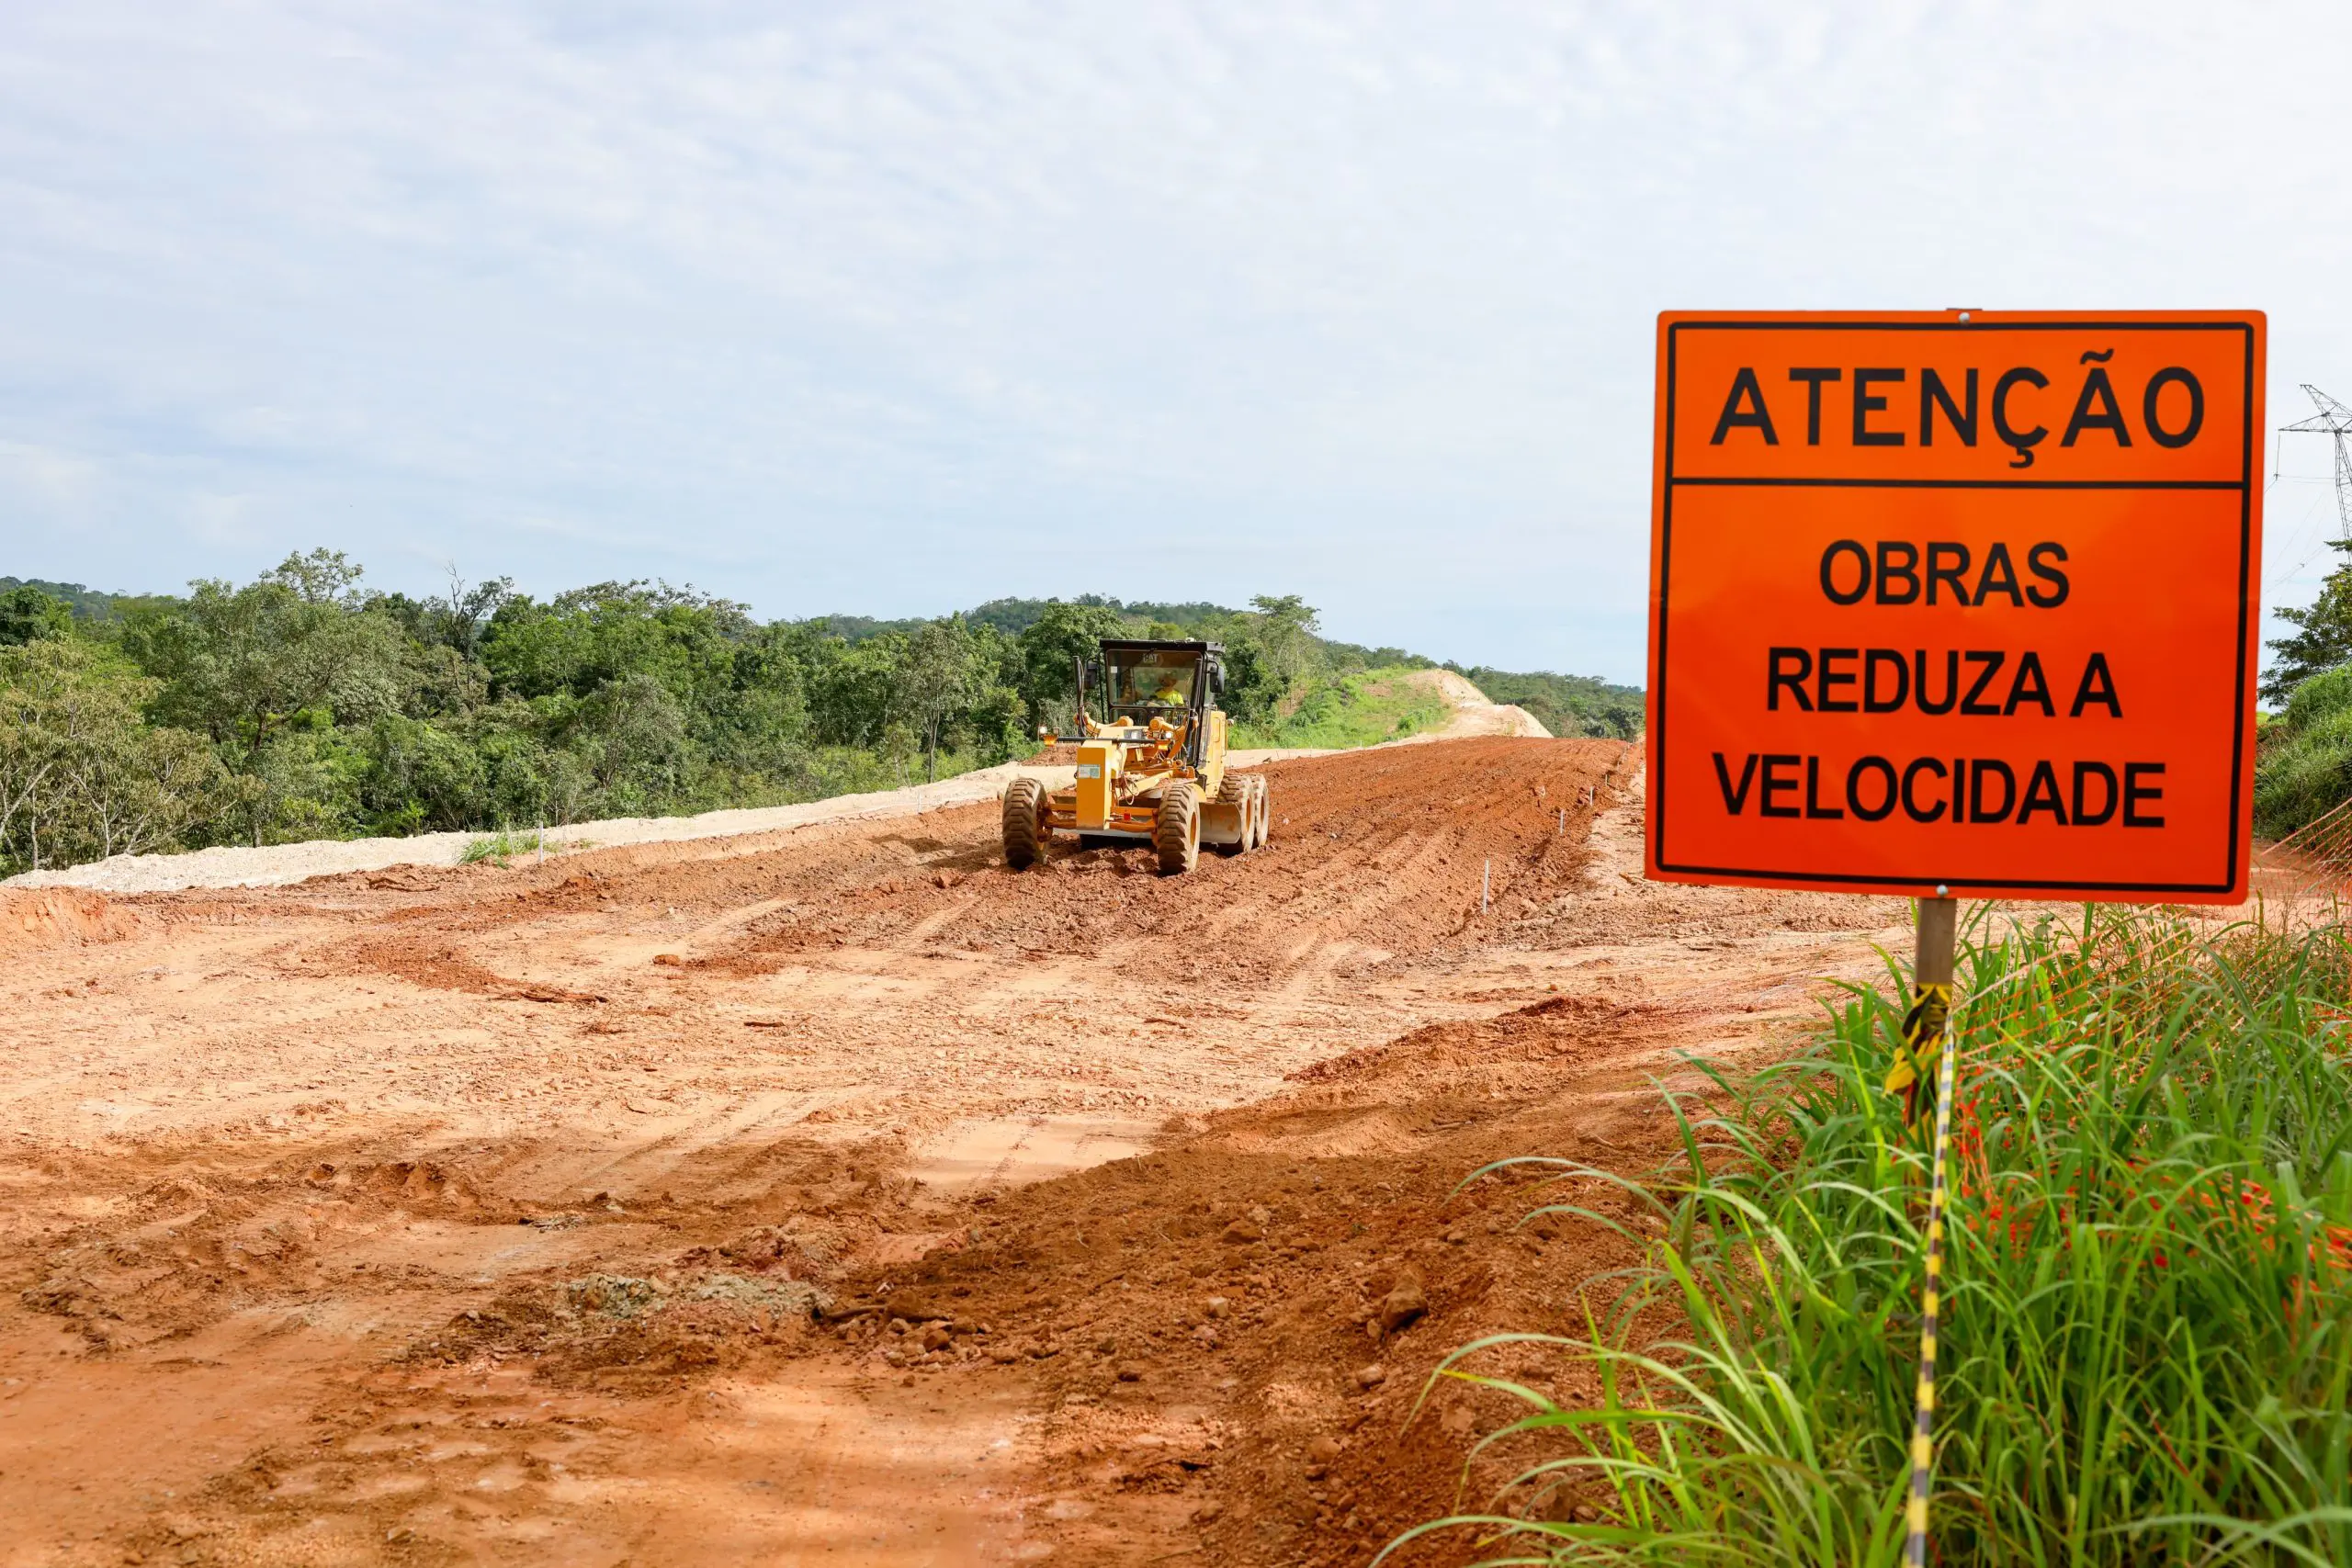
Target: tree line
(303,705)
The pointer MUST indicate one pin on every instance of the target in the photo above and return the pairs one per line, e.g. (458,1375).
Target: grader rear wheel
(1263,817)
(1025,832)
(1237,793)
(1177,834)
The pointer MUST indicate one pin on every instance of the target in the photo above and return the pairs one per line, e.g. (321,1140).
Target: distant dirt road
(562,1213)
(1474,712)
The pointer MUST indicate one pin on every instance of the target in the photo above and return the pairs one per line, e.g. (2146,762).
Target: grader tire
(1236,792)
(1264,816)
(1024,801)
(1177,834)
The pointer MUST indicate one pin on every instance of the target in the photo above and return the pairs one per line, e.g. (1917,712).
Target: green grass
(2304,755)
(1352,710)
(501,847)
(2304,767)
(2146,1344)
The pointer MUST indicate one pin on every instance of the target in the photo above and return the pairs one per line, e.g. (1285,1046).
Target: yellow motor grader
(1150,769)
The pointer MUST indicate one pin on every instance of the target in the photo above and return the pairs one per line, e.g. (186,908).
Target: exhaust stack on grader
(1151,770)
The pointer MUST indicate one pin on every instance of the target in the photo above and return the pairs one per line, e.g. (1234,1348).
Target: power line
(2277,577)
(2332,420)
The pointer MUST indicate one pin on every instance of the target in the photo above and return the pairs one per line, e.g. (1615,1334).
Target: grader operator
(1151,769)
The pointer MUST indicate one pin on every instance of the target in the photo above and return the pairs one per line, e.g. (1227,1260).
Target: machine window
(1157,679)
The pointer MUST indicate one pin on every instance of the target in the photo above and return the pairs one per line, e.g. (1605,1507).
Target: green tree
(938,676)
(1285,628)
(438,681)
(758,728)
(1566,705)
(1251,689)
(82,774)
(994,723)
(458,619)
(85,603)
(852,685)
(304,781)
(1050,649)
(243,664)
(27,615)
(423,777)
(632,735)
(581,640)
(323,577)
(2322,638)
(301,704)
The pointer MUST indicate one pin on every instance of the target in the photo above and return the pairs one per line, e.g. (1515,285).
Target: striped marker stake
(1928,1048)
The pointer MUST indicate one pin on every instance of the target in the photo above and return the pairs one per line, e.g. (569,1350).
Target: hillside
(1566,705)
(82,602)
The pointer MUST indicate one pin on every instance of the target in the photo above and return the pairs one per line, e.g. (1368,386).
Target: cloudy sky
(896,309)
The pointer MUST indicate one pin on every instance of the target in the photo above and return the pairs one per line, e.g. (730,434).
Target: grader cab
(1151,763)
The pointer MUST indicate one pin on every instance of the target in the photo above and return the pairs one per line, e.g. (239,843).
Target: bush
(2145,1347)
(632,735)
(2303,775)
(303,783)
(423,778)
(1352,710)
(2305,769)
(501,847)
(2323,695)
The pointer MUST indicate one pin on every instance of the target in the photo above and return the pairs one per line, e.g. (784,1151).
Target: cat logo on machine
(1962,600)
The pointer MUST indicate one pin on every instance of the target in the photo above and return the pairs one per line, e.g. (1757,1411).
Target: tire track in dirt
(633,1369)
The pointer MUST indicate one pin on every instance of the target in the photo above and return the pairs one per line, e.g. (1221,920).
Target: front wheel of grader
(1025,830)
(1177,834)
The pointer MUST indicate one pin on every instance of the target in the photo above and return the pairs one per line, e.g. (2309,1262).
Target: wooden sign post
(1955,603)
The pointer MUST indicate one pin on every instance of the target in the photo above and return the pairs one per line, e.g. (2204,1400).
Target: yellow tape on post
(1923,1042)
(1930,1011)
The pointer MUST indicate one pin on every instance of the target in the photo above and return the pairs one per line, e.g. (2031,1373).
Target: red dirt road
(838,1195)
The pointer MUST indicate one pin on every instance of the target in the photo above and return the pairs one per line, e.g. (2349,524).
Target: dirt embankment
(840,1191)
(33,920)
(1474,712)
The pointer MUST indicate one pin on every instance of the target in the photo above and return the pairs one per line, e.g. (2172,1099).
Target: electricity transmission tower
(2332,418)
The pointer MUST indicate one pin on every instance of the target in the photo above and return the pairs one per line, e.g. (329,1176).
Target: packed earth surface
(838,1195)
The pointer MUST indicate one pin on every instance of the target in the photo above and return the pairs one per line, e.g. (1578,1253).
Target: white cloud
(44,478)
(895,308)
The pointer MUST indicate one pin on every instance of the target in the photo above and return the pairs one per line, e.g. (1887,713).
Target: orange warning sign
(1961,600)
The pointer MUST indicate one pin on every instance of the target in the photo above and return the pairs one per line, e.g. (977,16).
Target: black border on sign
(2243,485)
